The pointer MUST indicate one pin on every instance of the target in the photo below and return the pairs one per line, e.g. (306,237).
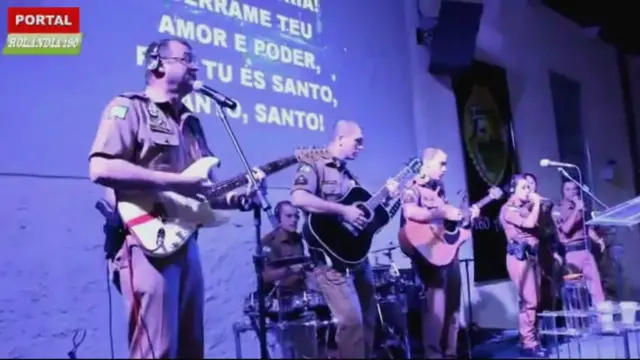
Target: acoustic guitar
(162,222)
(345,242)
(439,243)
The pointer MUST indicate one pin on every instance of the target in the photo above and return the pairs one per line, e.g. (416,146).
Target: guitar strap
(196,129)
(320,176)
(418,196)
(350,176)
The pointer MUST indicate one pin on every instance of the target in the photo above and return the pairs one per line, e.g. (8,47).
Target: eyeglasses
(189,60)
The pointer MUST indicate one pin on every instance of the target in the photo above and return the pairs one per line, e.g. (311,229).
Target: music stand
(625,214)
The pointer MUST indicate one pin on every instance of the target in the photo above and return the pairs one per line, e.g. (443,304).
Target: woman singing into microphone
(519,219)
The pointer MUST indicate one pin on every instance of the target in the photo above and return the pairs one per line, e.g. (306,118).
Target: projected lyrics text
(256,79)
(218,37)
(252,14)
(263,114)
(254,70)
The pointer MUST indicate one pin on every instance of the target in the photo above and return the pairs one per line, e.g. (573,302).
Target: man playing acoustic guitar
(350,294)
(424,202)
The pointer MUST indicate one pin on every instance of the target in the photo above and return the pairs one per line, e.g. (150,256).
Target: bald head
(347,140)
(344,128)
(434,163)
(431,153)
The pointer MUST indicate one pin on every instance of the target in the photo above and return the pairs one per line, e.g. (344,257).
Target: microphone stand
(471,326)
(257,208)
(615,250)
(582,191)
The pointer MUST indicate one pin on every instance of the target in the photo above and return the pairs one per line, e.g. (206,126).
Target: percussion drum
(307,300)
(293,306)
(408,277)
(382,276)
(250,307)
(412,288)
(576,301)
(399,315)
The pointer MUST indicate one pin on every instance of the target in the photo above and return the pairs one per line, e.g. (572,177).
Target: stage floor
(505,346)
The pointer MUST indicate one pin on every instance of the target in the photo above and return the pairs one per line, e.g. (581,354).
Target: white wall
(528,41)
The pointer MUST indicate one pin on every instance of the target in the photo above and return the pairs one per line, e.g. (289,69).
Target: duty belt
(576,245)
(521,250)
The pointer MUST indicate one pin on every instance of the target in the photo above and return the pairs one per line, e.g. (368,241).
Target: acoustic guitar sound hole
(450,238)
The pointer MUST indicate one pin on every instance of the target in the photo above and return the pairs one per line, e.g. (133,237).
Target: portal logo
(43,31)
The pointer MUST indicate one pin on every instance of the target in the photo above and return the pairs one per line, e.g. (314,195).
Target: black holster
(520,250)
(113,229)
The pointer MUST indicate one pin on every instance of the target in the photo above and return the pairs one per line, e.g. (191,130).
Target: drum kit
(398,294)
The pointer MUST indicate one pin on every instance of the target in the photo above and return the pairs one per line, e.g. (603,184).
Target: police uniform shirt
(147,133)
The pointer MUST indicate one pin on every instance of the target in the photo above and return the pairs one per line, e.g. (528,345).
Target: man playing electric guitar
(144,140)
(350,294)
(424,202)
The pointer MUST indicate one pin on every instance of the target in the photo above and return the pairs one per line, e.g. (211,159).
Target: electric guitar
(345,242)
(439,243)
(162,222)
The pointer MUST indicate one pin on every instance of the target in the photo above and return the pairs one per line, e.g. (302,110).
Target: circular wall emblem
(485,135)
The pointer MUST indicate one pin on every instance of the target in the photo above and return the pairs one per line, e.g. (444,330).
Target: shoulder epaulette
(134,95)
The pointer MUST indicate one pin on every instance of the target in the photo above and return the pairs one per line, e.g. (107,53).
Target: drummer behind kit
(163,221)
(302,319)
(398,293)
(439,243)
(307,309)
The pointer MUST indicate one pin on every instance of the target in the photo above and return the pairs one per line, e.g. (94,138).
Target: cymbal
(288,261)
(388,248)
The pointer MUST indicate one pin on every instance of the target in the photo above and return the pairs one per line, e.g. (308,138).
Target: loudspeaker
(454,37)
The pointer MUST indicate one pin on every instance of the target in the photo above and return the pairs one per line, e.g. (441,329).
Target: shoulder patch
(118,112)
(153,110)
(301,180)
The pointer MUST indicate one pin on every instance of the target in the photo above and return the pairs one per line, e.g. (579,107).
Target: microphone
(222,100)
(547,163)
